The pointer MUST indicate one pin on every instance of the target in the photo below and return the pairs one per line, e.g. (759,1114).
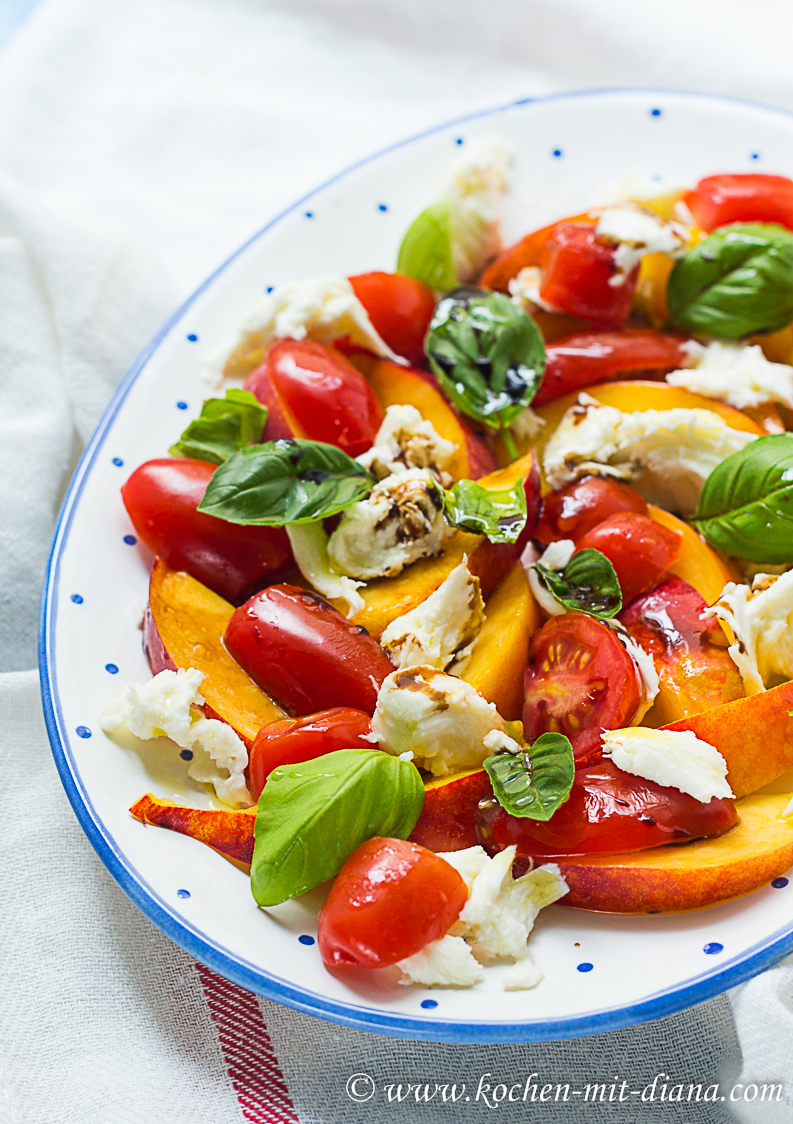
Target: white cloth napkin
(144,140)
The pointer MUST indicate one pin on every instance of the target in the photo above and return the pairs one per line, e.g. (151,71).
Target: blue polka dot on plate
(557,152)
(458,140)
(304,938)
(192,337)
(713,948)
(77,599)
(655,112)
(186,755)
(111,668)
(382,206)
(585,967)
(181,405)
(183,893)
(428,1004)
(83,732)
(779,883)
(755,156)
(269,288)
(117,461)
(309,214)
(130,540)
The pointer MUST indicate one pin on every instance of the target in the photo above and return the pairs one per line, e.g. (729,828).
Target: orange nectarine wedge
(698,564)
(230,832)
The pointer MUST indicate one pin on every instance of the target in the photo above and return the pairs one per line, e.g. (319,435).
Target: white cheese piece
(165,707)
(736,373)
(480,178)
(405,440)
(400,521)
(527,426)
(761,619)
(666,454)
(673,758)
(555,557)
(788,810)
(497,741)
(441,718)
(645,666)
(522,975)
(469,863)
(309,544)
(524,291)
(637,232)
(441,630)
(447,962)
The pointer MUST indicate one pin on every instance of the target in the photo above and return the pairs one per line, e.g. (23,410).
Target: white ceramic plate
(601,971)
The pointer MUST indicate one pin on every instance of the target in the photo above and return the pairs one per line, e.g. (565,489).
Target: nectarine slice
(692,875)
(229,832)
(698,564)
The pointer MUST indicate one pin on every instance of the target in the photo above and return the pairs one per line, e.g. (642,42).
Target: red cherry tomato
(608,812)
(162,498)
(639,549)
(577,269)
(586,358)
(576,509)
(747,197)
(304,653)
(400,309)
(579,681)
(291,740)
(527,252)
(318,395)
(390,899)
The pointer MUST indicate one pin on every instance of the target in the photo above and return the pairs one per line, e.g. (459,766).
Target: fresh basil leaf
(285,481)
(426,251)
(312,816)
(739,280)
(501,516)
(488,355)
(746,504)
(536,781)
(588,584)
(223,426)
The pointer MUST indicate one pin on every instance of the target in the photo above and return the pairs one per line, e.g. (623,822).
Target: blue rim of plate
(686,994)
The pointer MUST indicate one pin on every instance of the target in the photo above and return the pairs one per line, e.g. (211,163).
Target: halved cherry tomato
(586,358)
(579,681)
(577,270)
(527,252)
(390,899)
(304,653)
(400,309)
(639,549)
(744,197)
(162,498)
(608,812)
(577,508)
(291,740)
(313,391)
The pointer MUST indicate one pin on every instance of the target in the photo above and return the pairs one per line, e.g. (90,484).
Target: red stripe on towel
(248,1051)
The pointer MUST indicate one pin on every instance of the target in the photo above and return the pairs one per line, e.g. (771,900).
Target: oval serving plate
(601,971)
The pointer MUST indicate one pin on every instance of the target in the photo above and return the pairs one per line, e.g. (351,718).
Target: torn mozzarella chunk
(555,557)
(761,620)
(441,630)
(527,426)
(666,454)
(673,758)
(441,718)
(522,975)
(637,232)
(405,440)
(400,521)
(447,962)
(736,373)
(645,666)
(165,707)
(524,290)
(480,178)
(309,544)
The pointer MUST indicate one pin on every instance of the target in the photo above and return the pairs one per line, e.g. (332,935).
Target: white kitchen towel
(147,138)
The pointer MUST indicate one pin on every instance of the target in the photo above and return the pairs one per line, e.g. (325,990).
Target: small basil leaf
(426,251)
(588,584)
(312,816)
(501,516)
(223,426)
(285,481)
(488,355)
(739,280)
(536,781)
(746,504)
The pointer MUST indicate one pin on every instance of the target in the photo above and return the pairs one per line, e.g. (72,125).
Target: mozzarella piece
(637,232)
(555,557)
(441,630)
(761,619)
(527,426)
(524,290)
(666,454)
(164,707)
(447,962)
(400,521)
(309,544)
(645,666)
(522,975)
(736,373)
(480,178)
(442,719)
(405,440)
(673,758)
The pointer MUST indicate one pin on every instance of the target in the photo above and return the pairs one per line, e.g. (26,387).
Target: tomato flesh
(574,510)
(577,269)
(313,391)
(639,549)
(586,358)
(747,197)
(304,653)
(292,740)
(400,309)
(525,253)
(162,498)
(390,899)
(579,681)
(608,812)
